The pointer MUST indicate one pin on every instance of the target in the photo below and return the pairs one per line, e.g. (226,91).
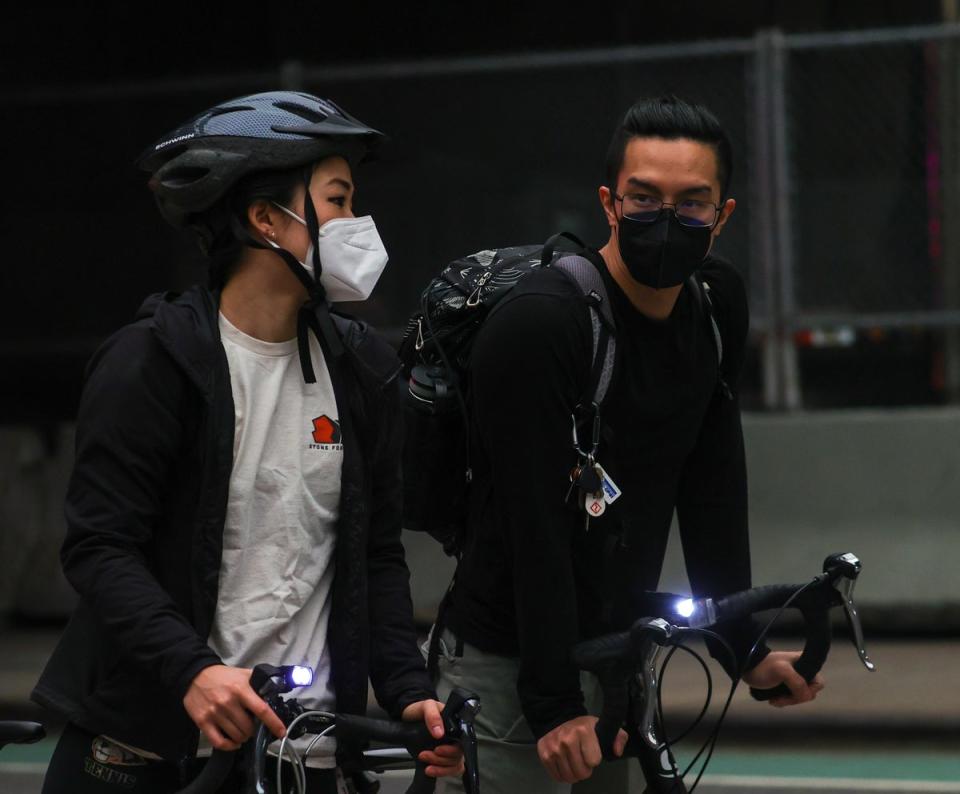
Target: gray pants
(508,750)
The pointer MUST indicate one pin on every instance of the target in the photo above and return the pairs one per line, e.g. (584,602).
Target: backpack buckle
(419,343)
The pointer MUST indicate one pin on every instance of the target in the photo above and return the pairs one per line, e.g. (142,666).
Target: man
(537,577)
(236,492)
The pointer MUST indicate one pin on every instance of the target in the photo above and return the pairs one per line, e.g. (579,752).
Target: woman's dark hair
(670,117)
(225,247)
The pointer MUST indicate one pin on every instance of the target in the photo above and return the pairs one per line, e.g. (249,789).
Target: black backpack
(435,353)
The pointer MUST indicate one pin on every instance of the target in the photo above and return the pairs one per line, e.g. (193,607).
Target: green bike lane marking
(756,770)
(886,765)
(37,753)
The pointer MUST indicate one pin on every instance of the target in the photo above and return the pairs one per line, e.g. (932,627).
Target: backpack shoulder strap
(588,279)
(700,290)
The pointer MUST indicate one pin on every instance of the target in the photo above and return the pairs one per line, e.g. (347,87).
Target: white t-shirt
(273,602)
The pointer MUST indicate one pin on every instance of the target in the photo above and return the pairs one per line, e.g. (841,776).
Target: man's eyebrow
(651,188)
(639,183)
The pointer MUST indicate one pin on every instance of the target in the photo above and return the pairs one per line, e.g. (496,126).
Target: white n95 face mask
(352,256)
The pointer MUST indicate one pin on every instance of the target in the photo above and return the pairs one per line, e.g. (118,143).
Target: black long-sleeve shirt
(535,581)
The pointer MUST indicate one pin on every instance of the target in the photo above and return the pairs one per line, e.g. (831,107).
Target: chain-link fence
(847,179)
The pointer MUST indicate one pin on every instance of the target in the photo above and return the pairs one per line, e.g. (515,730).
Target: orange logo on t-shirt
(326,430)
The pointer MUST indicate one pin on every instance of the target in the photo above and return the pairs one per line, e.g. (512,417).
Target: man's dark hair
(670,117)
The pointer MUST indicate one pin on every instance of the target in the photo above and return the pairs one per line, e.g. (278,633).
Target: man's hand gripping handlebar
(634,655)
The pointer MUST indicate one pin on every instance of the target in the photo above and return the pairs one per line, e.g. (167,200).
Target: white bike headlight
(299,676)
(685,607)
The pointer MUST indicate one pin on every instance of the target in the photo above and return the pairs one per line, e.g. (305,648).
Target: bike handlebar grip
(815,650)
(213,774)
(591,655)
(422,783)
(616,701)
(743,604)
(19,732)
(414,736)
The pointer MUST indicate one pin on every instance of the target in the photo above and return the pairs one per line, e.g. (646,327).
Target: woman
(236,492)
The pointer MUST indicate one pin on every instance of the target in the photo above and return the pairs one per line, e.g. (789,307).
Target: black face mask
(663,253)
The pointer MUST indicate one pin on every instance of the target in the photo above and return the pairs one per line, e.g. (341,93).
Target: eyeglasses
(689,212)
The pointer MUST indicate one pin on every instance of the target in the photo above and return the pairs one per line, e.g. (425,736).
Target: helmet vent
(230,109)
(185,175)
(306,113)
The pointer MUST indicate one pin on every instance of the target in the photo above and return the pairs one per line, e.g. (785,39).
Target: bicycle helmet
(195,165)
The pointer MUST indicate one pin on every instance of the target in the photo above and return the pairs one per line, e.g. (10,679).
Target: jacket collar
(186,324)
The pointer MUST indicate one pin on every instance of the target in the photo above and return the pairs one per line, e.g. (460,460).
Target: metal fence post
(783,189)
(763,220)
(774,236)
(948,107)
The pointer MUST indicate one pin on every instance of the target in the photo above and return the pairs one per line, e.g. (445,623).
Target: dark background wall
(85,91)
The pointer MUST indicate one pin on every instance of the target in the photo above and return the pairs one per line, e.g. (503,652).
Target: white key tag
(610,490)
(595,505)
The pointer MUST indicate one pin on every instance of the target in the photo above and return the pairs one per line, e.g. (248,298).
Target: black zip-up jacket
(145,512)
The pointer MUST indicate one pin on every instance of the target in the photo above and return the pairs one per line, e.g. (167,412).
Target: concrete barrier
(883,484)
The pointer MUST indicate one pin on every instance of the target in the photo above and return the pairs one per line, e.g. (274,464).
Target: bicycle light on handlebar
(697,612)
(298,676)
(685,607)
(268,679)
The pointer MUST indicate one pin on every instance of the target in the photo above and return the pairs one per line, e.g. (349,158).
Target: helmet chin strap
(314,314)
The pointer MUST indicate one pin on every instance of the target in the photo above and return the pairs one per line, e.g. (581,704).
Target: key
(574,477)
(589,481)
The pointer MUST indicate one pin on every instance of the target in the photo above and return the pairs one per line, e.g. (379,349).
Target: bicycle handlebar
(458,715)
(20,732)
(616,658)
(270,682)
(814,605)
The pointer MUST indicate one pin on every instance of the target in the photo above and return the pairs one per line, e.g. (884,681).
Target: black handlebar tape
(815,650)
(616,703)
(213,774)
(814,604)
(413,736)
(421,783)
(596,654)
(743,604)
(19,732)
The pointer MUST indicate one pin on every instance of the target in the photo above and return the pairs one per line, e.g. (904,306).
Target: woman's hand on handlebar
(777,668)
(220,701)
(446,759)
(570,752)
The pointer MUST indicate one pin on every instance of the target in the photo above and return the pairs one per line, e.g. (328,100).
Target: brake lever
(459,717)
(471,764)
(649,636)
(843,570)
